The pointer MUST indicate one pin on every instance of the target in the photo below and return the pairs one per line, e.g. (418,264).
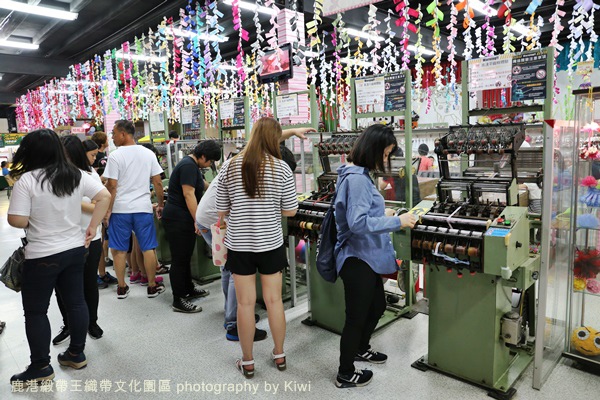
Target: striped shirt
(255,223)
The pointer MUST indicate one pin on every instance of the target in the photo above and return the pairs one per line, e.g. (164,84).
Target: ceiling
(105,24)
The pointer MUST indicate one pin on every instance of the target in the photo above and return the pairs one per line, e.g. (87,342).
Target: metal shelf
(507,110)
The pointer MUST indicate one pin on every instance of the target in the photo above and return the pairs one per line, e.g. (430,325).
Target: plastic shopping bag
(219,251)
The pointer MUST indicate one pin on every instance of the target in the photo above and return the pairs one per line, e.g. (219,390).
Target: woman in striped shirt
(256,189)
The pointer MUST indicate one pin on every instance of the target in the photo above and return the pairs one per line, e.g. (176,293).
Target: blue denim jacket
(363,228)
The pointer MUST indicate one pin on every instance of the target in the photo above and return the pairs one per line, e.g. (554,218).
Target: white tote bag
(219,251)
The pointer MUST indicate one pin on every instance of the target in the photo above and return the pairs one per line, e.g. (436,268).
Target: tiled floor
(148,346)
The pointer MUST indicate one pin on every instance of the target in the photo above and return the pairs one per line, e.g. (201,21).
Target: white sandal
(280,366)
(240,364)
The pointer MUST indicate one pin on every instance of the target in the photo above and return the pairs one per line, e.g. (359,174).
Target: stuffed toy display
(591,197)
(586,340)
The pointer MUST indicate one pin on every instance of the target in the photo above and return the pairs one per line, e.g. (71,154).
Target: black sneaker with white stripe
(360,377)
(371,356)
(184,306)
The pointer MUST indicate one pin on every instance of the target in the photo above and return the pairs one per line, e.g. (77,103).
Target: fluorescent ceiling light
(201,36)
(84,83)
(520,28)
(218,90)
(352,61)
(37,10)
(141,57)
(424,50)
(64,92)
(365,35)
(189,97)
(19,45)
(479,6)
(252,7)
(227,67)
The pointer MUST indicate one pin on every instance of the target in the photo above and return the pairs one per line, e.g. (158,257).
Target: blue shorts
(120,227)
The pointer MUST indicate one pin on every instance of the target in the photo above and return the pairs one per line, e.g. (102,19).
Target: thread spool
(473,251)
(416,244)
(462,250)
(309,225)
(448,248)
(427,245)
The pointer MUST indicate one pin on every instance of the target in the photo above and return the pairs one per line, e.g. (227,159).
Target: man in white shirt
(128,171)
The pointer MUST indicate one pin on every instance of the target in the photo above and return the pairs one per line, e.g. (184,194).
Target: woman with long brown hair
(256,189)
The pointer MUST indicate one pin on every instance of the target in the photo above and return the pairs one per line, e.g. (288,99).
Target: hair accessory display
(587,264)
(588,221)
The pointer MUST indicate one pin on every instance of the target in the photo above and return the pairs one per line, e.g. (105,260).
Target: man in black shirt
(186,186)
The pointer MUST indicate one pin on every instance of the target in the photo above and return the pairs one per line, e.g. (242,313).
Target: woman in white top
(76,153)
(46,201)
(255,190)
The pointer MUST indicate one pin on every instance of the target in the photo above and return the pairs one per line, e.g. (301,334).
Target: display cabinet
(583,323)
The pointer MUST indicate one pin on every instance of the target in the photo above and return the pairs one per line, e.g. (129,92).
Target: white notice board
(370,94)
(287,105)
(157,122)
(490,73)
(186,115)
(226,109)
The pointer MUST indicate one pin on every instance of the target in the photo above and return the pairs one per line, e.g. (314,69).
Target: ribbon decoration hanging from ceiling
(468,26)
(505,11)
(243,37)
(312,28)
(488,27)
(452,50)
(419,56)
(437,17)
(332,7)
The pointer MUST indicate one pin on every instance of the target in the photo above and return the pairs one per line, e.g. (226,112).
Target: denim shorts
(120,227)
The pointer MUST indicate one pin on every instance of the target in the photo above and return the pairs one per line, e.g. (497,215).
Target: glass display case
(583,324)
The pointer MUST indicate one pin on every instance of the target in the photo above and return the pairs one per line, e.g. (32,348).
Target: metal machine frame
(326,300)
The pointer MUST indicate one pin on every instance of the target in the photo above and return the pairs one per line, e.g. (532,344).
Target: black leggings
(365,304)
(90,283)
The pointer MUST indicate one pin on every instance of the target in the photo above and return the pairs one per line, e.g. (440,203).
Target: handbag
(219,251)
(11,271)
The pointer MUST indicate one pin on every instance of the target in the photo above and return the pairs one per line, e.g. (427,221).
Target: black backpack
(326,245)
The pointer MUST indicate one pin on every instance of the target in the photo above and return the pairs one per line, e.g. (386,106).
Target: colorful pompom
(589,181)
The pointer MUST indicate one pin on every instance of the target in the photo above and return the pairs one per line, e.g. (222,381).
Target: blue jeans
(63,271)
(226,284)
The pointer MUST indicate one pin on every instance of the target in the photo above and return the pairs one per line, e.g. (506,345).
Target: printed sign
(157,122)
(528,76)
(287,106)
(13,139)
(238,111)
(498,232)
(186,115)
(231,112)
(196,117)
(370,94)
(77,130)
(490,73)
(395,92)
(226,109)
